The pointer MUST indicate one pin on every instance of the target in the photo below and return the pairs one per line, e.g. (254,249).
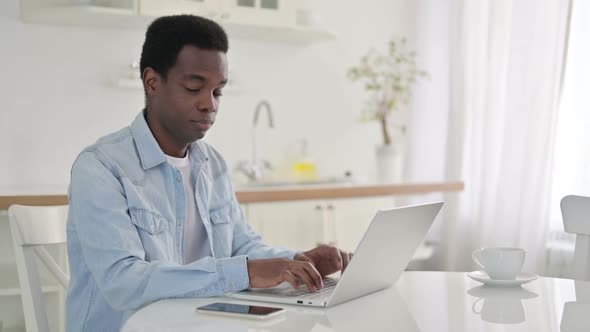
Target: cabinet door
(207,8)
(293,225)
(303,225)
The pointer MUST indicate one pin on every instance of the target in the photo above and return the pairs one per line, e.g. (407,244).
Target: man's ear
(151,81)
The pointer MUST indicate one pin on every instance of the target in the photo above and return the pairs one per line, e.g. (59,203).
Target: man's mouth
(203,124)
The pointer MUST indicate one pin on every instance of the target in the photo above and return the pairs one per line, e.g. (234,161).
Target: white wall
(57,95)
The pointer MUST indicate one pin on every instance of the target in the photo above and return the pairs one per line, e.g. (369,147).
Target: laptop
(380,258)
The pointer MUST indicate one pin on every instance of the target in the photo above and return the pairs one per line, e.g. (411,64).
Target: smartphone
(241,310)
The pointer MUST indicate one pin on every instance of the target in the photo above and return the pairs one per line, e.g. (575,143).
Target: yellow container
(305,171)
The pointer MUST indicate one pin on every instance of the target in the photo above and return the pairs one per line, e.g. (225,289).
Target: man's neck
(165,141)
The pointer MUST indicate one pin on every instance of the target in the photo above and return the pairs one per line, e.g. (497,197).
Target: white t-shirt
(196,243)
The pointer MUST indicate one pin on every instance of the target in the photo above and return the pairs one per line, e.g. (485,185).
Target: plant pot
(389,163)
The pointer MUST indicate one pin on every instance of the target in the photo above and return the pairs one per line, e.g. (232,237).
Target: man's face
(185,104)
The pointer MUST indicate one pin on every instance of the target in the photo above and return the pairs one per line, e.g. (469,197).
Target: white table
(420,301)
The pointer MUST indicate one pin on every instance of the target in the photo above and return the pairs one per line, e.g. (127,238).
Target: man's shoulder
(112,140)
(214,158)
(211,153)
(111,145)
(208,149)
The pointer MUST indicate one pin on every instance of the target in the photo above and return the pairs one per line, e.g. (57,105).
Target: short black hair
(167,35)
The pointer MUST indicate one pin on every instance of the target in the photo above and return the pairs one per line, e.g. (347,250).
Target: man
(152,210)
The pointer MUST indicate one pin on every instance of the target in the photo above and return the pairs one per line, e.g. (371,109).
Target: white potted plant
(388,79)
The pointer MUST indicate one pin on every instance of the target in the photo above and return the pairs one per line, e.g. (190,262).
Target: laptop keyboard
(302,292)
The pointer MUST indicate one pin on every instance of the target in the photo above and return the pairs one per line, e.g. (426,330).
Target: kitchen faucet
(254,168)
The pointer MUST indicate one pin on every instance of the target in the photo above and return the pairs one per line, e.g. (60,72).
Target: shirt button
(177,179)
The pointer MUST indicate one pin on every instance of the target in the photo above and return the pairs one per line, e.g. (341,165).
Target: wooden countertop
(342,191)
(278,194)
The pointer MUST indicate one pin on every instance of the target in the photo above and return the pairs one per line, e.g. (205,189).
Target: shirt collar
(148,149)
(150,153)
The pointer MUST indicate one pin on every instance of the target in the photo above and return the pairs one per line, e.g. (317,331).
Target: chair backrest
(32,227)
(576,219)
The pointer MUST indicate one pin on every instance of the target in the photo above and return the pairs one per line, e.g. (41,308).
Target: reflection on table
(420,301)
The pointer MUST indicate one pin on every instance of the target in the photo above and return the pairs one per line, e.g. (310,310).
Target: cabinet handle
(331,219)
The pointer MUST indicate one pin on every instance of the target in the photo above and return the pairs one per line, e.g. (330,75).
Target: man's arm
(113,252)
(326,259)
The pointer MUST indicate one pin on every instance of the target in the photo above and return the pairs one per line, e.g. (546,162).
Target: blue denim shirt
(126,229)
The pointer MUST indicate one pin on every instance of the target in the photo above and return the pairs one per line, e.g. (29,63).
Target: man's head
(184,67)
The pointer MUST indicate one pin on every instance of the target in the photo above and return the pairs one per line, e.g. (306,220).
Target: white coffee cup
(500,263)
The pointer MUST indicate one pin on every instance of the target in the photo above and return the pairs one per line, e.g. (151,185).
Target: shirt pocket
(221,216)
(148,221)
(153,231)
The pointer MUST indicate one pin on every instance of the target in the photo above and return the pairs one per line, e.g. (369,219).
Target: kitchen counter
(246,195)
(315,192)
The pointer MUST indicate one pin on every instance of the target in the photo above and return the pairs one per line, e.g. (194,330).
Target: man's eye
(192,90)
(217,94)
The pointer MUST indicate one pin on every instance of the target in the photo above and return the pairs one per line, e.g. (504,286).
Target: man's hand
(326,259)
(265,273)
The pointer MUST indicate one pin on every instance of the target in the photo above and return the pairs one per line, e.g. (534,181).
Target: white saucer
(521,278)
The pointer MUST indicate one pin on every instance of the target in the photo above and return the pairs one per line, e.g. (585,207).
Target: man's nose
(208,104)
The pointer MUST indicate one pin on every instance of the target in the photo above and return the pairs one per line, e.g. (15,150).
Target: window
(572,151)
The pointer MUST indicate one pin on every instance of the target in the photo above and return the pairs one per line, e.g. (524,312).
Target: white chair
(576,219)
(32,227)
